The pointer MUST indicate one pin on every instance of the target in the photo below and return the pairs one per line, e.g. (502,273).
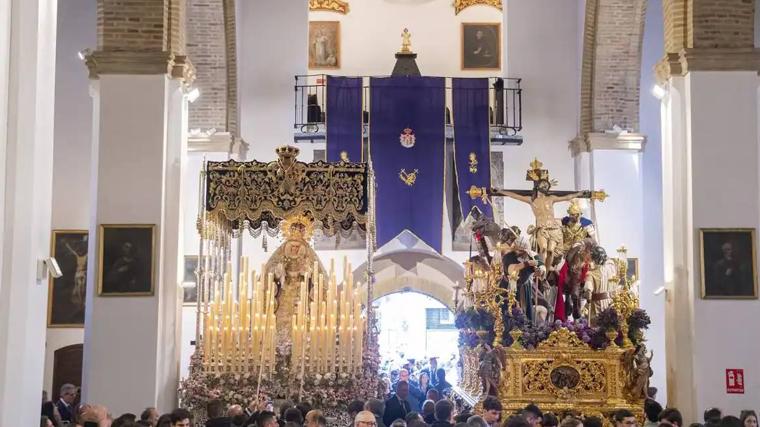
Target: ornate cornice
(119,62)
(607,141)
(329,6)
(460,5)
(710,59)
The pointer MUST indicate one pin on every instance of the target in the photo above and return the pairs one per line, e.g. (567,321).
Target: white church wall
(723,118)
(73,137)
(651,256)
(271,52)
(371,36)
(542,39)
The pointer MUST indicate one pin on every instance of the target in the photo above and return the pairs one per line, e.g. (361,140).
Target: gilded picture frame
(728,263)
(126,260)
(480,46)
(67,294)
(324,45)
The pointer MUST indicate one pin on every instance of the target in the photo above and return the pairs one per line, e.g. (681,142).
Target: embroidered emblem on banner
(408,178)
(344,156)
(407,138)
(473,163)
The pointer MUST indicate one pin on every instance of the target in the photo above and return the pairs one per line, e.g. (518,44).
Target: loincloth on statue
(603,296)
(551,234)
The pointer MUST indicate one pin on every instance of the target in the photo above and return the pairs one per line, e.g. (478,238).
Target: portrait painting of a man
(67,293)
(481,46)
(728,263)
(126,260)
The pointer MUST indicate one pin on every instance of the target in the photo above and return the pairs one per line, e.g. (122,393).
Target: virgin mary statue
(291,263)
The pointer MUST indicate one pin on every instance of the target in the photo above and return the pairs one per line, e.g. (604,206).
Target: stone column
(27,87)
(710,180)
(139,76)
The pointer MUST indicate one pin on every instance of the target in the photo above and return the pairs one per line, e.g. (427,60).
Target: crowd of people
(404,407)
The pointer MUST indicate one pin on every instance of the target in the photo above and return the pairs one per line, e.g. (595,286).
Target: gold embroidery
(409,178)
(473,163)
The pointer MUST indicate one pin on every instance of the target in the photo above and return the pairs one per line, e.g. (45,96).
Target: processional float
(292,328)
(591,365)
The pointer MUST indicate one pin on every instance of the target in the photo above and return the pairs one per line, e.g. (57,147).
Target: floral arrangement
(330,392)
(471,321)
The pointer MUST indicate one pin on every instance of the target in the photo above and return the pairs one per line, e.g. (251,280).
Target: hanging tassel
(264,241)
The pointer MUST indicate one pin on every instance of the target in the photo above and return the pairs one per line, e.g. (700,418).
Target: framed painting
(189,281)
(126,260)
(66,294)
(481,46)
(633,269)
(728,263)
(324,44)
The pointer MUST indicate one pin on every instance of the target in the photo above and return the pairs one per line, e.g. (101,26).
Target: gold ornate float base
(563,375)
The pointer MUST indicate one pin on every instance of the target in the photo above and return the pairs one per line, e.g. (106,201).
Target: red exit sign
(735,381)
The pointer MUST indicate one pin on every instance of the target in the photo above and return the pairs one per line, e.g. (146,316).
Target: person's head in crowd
(292,424)
(428,407)
(516,421)
(652,393)
(476,421)
(50,411)
(433,395)
(304,407)
(68,393)
(571,422)
(266,419)
(592,422)
(125,420)
(164,421)
(533,414)
(549,420)
(402,389)
(413,416)
(284,407)
(713,416)
(416,423)
(215,409)
(44,396)
(624,418)
(234,410)
(424,380)
(150,415)
(143,423)
(462,417)
(355,407)
(239,420)
(748,418)
(45,421)
(293,415)
(671,417)
(440,375)
(730,421)
(461,424)
(403,375)
(696,425)
(312,418)
(652,410)
(321,421)
(366,418)
(444,410)
(398,423)
(491,410)
(182,418)
(376,406)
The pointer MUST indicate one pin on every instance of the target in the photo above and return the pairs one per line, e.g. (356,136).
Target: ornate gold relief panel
(338,6)
(460,5)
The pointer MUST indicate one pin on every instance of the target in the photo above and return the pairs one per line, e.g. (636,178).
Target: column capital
(707,59)
(591,141)
(123,62)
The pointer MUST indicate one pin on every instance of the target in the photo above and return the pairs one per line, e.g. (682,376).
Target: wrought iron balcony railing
(505,109)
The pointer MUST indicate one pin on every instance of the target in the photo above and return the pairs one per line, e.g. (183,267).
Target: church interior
(379,213)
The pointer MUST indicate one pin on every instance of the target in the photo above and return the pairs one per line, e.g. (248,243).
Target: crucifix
(548,229)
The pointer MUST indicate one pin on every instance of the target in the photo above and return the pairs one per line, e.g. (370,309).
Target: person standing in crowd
(549,420)
(476,421)
(442,385)
(266,419)
(354,408)
(712,417)
(215,411)
(433,395)
(491,411)
(424,383)
(672,417)
(377,407)
(624,418)
(398,405)
(444,414)
(65,403)
(652,411)
(428,411)
(748,419)
(150,415)
(533,415)
(181,418)
(592,422)
(365,419)
(416,396)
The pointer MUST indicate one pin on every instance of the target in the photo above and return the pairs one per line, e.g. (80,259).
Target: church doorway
(413,328)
